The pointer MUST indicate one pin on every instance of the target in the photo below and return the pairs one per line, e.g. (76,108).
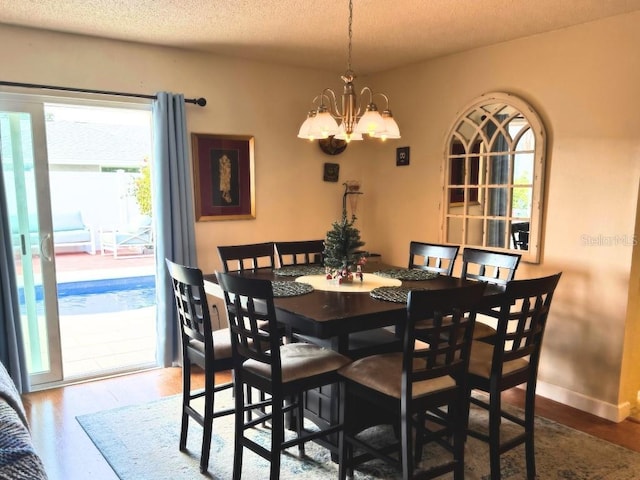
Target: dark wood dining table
(333,315)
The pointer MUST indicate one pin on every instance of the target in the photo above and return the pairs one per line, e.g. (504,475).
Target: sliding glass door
(77,180)
(23,156)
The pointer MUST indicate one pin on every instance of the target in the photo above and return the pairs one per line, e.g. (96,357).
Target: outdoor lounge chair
(138,236)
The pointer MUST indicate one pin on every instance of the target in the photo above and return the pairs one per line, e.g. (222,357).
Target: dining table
(332,311)
(310,304)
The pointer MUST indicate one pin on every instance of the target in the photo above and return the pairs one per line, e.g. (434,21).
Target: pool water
(100,296)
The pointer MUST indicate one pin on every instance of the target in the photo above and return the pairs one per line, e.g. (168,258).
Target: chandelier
(322,120)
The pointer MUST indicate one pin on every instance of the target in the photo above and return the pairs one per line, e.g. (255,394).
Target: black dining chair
(284,372)
(303,252)
(495,268)
(433,257)
(249,257)
(429,374)
(511,360)
(207,349)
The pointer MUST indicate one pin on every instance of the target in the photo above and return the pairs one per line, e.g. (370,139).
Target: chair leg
(208,421)
(407,452)
(239,428)
(186,397)
(529,419)
(344,451)
(300,421)
(457,417)
(494,433)
(420,432)
(277,437)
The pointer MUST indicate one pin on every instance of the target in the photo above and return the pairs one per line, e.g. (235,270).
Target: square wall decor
(402,156)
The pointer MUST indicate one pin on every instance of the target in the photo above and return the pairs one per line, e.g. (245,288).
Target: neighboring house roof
(106,145)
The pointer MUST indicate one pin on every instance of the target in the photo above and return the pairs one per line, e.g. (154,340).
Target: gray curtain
(12,354)
(173,212)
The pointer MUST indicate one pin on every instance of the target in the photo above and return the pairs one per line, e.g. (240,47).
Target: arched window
(494,176)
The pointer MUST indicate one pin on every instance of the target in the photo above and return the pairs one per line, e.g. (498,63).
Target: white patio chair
(137,236)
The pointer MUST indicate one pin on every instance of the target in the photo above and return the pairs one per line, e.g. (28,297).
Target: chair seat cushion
(482,357)
(482,330)
(384,374)
(300,360)
(221,344)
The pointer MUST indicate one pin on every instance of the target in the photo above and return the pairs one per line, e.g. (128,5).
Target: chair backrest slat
(433,257)
(252,320)
(239,258)
(442,321)
(191,304)
(497,268)
(304,252)
(522,320)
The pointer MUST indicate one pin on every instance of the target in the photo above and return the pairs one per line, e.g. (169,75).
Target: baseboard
(609,411)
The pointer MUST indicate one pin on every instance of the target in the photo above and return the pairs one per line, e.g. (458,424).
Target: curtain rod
(197,101)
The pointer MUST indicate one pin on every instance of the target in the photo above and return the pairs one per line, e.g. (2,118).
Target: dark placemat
(391,294)
(290,289)
(407,274)
(299,270)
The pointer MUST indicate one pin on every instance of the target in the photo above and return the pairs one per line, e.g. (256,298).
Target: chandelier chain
(350,36)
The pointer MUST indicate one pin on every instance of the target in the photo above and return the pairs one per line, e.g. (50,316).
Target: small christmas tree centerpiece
(340,247)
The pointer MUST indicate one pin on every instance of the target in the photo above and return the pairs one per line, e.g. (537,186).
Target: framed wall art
(402,156)
(224,176)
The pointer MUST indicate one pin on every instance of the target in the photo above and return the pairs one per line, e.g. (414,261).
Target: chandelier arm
(386,99)
(330,95)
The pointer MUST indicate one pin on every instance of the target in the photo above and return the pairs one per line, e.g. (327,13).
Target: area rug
(140,442)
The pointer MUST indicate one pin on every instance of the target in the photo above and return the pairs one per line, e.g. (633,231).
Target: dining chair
(495,268)
(285,372)
(403,386)
(239,258)
(303,252)
(510,361)
(209,350)
(433,257)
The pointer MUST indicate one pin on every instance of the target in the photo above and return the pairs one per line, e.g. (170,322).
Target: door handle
(45,247)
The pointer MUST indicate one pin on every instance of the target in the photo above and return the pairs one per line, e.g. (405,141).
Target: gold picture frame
(224,176)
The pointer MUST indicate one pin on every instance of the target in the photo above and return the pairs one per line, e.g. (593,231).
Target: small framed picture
(402,156)
(331,172)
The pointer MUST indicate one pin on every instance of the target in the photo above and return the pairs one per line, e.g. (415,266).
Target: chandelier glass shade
(350,121)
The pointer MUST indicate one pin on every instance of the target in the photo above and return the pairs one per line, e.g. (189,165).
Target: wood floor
(68,453)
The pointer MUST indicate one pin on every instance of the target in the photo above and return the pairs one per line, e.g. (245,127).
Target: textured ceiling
(386,33)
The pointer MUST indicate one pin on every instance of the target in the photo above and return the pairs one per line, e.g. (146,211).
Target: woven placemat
(407,274)
(391,294)
(299,270)
(290,289)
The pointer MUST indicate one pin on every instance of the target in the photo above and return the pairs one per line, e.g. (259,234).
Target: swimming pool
(100,296)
